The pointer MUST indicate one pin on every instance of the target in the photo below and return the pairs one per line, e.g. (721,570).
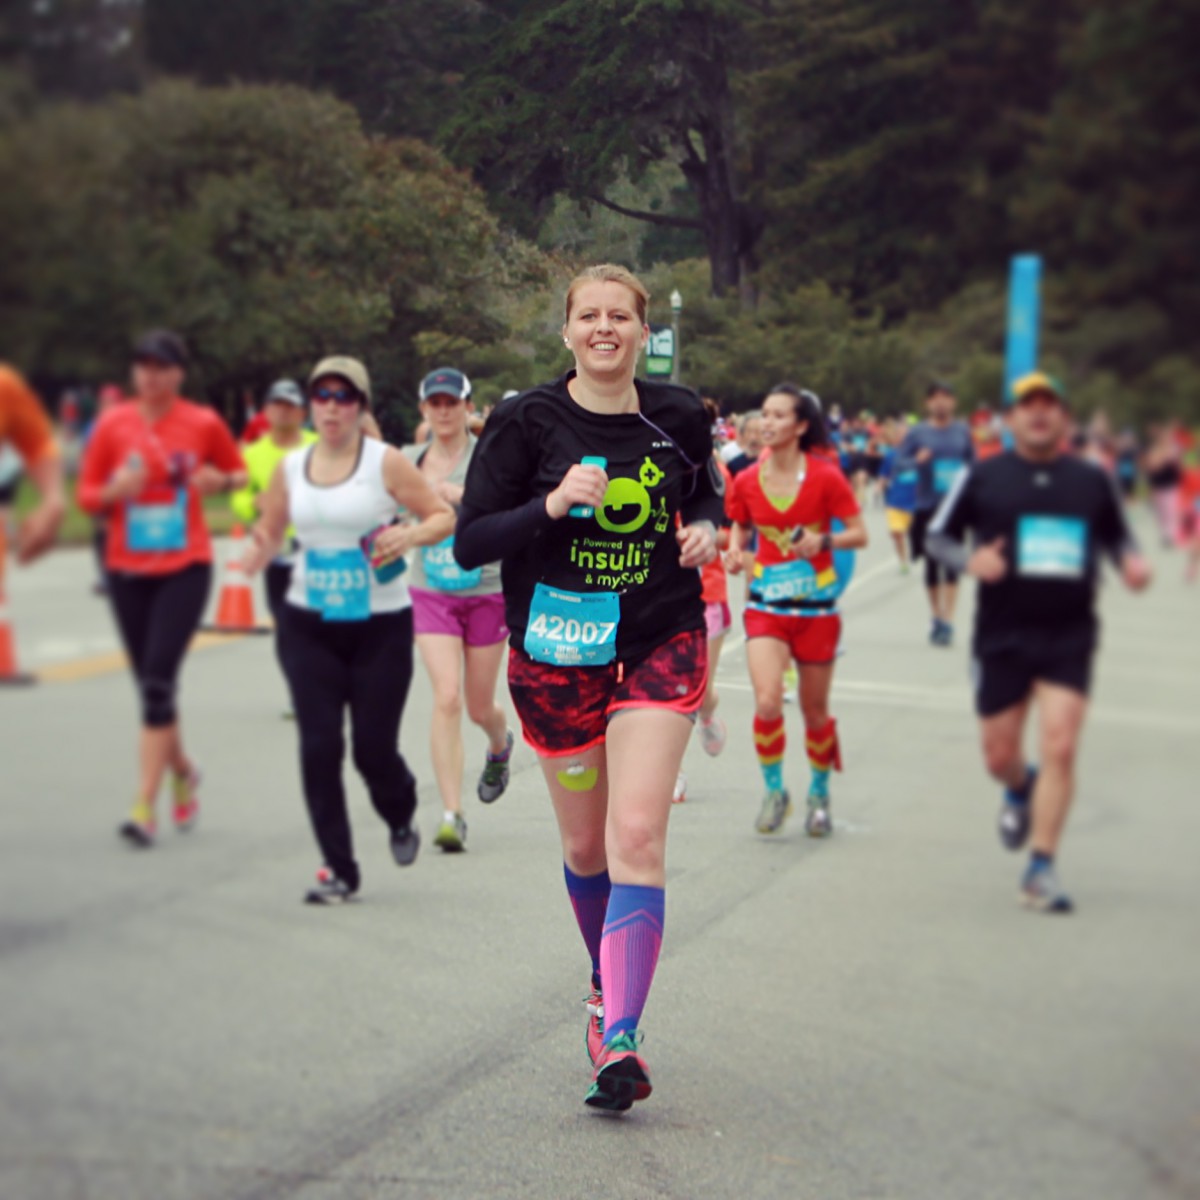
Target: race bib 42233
(338,583)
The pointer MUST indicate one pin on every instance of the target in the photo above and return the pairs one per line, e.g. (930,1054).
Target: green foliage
(809,335)
(260,222)
(570,96)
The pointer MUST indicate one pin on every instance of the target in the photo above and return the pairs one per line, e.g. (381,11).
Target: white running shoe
(712,735)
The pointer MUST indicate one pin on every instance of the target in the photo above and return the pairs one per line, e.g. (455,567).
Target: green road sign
(660,351)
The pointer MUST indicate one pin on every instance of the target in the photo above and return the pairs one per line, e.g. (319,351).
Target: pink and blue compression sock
(589,899)
(629,953)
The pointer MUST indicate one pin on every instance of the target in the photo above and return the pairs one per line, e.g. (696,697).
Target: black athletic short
(1005,678)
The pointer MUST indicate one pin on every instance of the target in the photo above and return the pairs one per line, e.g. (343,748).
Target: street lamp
(676,308)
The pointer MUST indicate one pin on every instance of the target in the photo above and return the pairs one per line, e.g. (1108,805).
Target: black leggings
(157,616)
(277,578)
(366,665)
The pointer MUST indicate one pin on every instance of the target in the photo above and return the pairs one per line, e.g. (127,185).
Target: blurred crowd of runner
(591,525)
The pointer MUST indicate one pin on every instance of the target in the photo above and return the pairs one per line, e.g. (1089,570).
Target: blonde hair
(610,273)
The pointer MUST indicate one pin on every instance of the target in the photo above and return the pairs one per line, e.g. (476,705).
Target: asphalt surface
(871,1016)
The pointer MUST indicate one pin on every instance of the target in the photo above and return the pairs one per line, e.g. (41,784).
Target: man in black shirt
(1039,519)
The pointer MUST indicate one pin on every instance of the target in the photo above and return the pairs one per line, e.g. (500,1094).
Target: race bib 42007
(572,629)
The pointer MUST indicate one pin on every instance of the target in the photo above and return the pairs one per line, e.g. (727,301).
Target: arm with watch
(808,543)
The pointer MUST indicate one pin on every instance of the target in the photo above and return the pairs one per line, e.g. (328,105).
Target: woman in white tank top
(347,628)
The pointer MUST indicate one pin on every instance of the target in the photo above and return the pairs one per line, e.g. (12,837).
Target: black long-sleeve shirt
(658,462)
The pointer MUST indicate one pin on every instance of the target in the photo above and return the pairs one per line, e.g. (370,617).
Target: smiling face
(780,426)
(604,331)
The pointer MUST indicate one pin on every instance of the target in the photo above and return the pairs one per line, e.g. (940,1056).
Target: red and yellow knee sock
(824,755)
(770,743)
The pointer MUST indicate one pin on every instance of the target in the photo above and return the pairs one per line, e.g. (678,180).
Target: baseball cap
(1037,381)
(445,381)
(285,391)
(161,345)
(349,369)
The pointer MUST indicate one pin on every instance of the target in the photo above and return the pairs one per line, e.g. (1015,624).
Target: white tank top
(332,517)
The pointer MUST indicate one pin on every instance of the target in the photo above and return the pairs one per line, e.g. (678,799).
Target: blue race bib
(572,629)
(1052,547)
(338,583)
(945,472)
(157,528)
(442,573)
(780,583)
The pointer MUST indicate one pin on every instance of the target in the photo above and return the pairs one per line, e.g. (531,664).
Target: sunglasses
(337,395)
(442,400)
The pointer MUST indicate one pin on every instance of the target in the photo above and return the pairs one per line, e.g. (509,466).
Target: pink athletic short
(718,619)
(478,620)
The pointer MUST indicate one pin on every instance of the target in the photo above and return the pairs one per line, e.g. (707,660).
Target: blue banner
(1024,318)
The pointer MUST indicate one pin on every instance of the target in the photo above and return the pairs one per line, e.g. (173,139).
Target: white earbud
(567,343)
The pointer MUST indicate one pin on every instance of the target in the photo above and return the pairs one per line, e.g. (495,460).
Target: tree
(79,48)
(396,61)
(571,96)
(1112,188)
(260,222)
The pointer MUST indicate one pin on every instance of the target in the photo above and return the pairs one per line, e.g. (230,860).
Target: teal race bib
(945,472)
(572,629)
(1052,547)
(158,528)
(338,583)
(442,573)
(786,581)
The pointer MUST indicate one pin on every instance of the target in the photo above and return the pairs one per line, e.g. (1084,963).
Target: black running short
(1005,678)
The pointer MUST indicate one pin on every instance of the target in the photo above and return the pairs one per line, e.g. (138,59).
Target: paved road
(866,1017)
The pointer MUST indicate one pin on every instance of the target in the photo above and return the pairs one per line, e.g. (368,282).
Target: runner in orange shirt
(25,426)
(148,466)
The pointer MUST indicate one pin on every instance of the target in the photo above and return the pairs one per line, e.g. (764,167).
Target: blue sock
(1040,862)
(589,899)
(1022,795)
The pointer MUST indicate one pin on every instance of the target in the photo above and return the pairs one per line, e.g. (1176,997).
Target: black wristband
(826,542)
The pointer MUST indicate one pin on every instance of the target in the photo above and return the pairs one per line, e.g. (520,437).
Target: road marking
(107,664)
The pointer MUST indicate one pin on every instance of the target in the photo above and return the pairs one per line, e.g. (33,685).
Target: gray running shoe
(1013,825)
(452,834)
(818,823)
(405,843)
(1041,891)
(494,778)
(776,807)
(330,889)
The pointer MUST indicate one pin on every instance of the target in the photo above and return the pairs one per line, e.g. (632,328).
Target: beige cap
(349,369)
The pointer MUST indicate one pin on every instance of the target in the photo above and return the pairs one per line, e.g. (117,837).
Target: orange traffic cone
(8,650)
(235,605)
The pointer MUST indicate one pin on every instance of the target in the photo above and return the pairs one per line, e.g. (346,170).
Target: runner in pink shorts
(458,617)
